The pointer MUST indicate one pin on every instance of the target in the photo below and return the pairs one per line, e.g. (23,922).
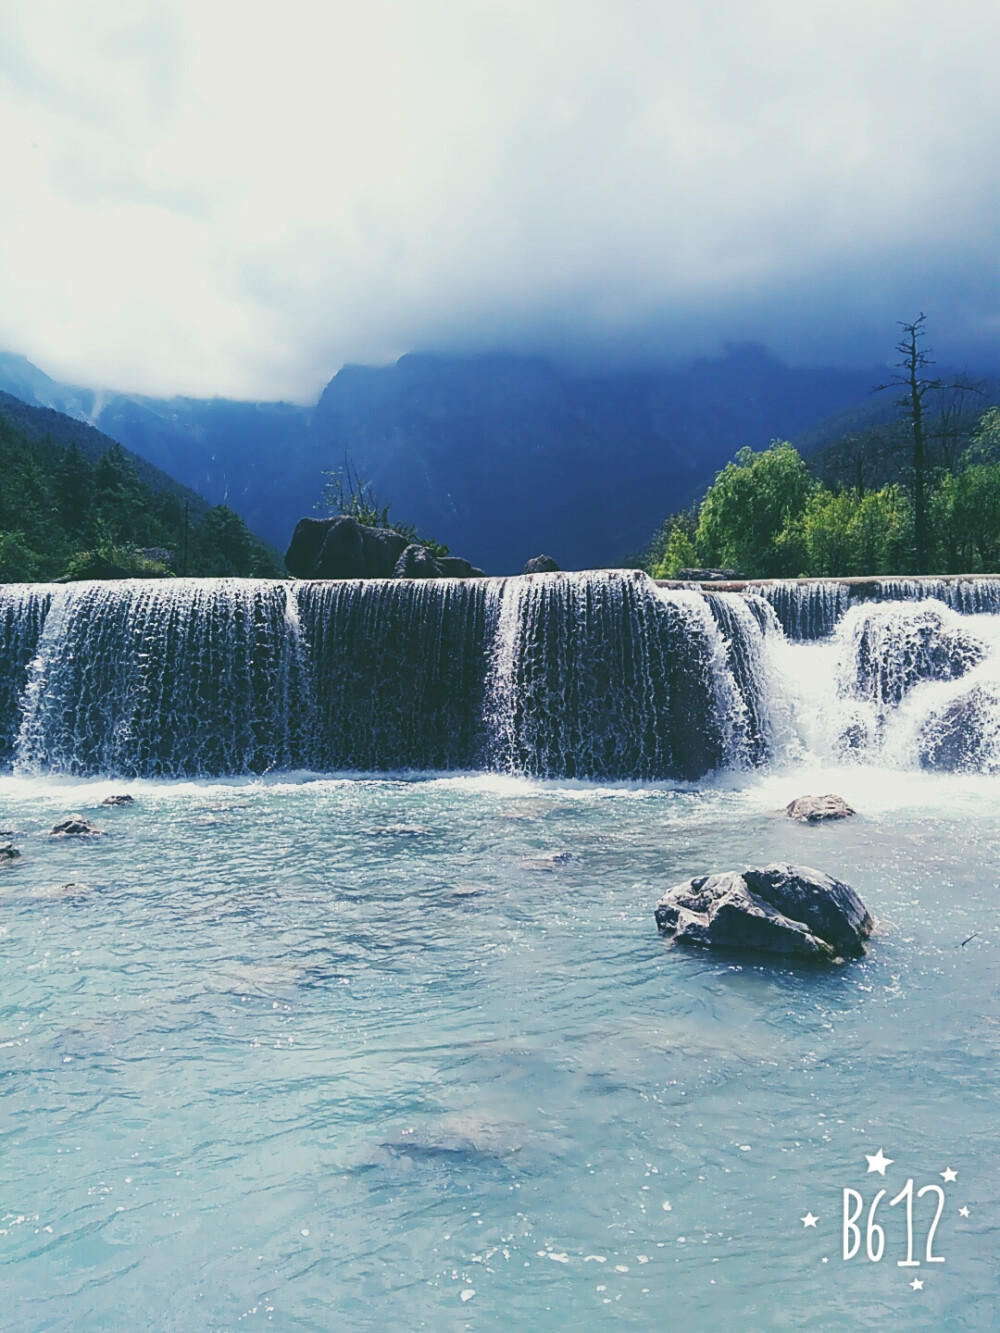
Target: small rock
(812,809)
(540,564)
(550,861)
(781,909)
(8,852)
(124,799)
(75,826)
(709,575)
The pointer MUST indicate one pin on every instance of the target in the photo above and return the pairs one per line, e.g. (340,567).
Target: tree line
(66,516)
(917,494)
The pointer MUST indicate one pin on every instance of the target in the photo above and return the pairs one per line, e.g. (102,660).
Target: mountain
(499,456)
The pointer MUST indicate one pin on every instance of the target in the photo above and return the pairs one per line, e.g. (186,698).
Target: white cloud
(235,198)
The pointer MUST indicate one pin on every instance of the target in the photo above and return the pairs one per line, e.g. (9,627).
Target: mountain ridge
(499,455)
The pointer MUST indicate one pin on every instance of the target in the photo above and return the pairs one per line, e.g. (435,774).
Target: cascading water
(610,677)
(602,675)
(562,675)
(163,679)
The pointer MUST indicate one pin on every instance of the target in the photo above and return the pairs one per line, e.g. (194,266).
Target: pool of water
(410,1053)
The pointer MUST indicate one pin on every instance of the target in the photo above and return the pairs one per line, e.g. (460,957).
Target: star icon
(809,1220)
(917,1284)
(948,1175)
(963,1212)
(878,1162)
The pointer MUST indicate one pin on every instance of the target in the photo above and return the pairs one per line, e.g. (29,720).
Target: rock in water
(782,908)
(709,575)
(540,564)
(124,799)
(812,809)
(75,826)
(964,737)
(8,852)
(891,648)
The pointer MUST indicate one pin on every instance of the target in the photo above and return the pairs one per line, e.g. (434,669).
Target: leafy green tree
(680,553)
(966,513)
(985,444)
(842,533)
(18,563)
(750,505)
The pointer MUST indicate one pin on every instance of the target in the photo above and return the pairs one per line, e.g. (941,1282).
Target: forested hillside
(66,513)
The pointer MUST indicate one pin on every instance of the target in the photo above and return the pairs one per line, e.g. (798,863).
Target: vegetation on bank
(348,494)
(916,494)
(66,516)
(768,516)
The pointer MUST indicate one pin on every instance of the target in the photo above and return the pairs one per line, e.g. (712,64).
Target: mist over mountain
(499,456)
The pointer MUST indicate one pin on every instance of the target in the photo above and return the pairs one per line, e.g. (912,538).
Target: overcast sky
(238,197)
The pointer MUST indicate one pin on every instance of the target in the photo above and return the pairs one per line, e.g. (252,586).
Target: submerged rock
(399,831)
(784,909)
(461,1134)
(124,799)
(540,564)
(964,737)
(549,861)
(812,809)
(8,852)
(75,826)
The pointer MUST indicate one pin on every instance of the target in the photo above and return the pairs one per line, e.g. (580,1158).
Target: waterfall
(163,679)
(610,677)
(812,608)
(23,610)
(602,675)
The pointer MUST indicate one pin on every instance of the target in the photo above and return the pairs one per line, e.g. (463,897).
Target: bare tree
(956,414)
(911,375)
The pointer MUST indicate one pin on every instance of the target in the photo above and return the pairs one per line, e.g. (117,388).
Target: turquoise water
(403,1054)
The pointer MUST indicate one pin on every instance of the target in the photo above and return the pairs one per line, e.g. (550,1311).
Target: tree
(748,507)
(911,375)
(842,533)
(673,547)
(967,510)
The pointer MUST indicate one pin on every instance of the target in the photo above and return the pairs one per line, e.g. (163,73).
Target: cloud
(213,197)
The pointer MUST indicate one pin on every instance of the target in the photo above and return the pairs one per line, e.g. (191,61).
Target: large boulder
(454,567)
(783,909)
(343,548)
(892,647)
(963,737)
(416,562)
(540,564)
(814,809)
